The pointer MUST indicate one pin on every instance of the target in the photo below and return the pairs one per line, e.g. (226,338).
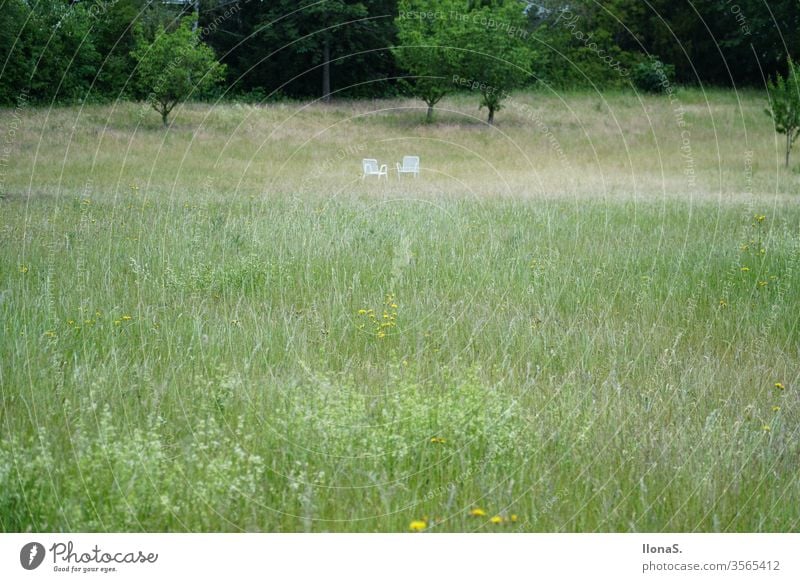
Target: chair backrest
(410,162)
(370,166)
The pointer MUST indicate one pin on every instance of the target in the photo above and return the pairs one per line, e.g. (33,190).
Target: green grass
(188,340)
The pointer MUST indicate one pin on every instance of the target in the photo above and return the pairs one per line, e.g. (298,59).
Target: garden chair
(370,167)
(410,165)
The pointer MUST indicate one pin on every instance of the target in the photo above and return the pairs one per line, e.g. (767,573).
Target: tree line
(92,50)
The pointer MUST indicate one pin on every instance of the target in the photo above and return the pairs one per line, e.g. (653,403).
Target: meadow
(582,319)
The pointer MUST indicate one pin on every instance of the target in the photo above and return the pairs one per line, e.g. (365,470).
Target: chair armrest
(384,168)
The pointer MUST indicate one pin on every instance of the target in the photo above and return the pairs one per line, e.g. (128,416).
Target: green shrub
(653,76)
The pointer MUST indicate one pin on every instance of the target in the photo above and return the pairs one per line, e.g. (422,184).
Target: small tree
(784,105)
(431,81)
(493,55)
(423,45)
(174,66)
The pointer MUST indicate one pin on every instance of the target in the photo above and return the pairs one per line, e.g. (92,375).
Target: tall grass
(221,328)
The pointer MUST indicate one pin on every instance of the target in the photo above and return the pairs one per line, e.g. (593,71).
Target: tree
(321,28)
(578,43)
(113,23)
(309,48)
(423,45)
(492,54)
(48,49)
(784,105)
(708,41)
(174,66)
(16,61)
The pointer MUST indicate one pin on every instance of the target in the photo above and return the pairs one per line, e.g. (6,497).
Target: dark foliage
(75,50)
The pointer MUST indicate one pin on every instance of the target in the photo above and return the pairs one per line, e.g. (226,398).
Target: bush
(223,470)
(653,76)
(784,105)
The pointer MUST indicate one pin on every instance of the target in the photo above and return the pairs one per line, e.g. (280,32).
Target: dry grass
(574,146)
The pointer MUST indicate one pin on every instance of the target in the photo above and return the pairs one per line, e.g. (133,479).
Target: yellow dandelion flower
(760,217)
(126,318)
(514,518)
(745,269)
(765,428)
(417,525)
(762,283)
(438,440)
(477,512)
(496,520)
(776,408)
(362,311)
(23,269)
(780,386)
(723,303)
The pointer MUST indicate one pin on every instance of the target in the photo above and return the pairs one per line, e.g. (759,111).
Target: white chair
(370,167)
(410,166)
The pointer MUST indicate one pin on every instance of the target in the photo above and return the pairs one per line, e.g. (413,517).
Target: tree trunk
(196,15)
(491,116)
(788,147)
(429,117)
(326,71)
(164,114)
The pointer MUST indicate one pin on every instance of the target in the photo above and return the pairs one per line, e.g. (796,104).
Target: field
(582,319)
